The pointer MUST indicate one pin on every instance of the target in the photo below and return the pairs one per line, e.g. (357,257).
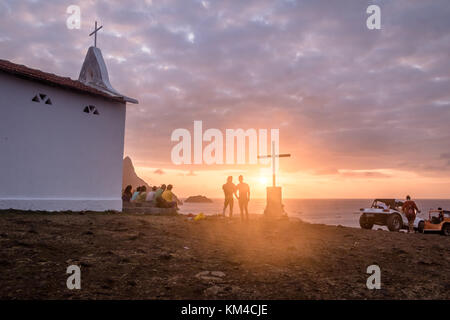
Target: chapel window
(91,109)
(42,98)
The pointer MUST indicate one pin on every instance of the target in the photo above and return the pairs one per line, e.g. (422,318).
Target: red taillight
(362,209)
(385,210)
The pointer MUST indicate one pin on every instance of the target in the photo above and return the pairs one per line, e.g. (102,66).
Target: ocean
(324,211)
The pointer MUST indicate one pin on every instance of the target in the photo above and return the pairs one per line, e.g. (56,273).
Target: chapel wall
(56,156)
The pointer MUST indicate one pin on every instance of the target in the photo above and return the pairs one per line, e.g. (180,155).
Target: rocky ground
(157,257)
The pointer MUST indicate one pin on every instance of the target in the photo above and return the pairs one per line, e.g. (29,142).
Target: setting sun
(263,180)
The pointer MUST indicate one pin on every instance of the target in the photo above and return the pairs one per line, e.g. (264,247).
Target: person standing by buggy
(409,208)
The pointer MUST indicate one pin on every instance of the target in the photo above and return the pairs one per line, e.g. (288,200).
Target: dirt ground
(160,257)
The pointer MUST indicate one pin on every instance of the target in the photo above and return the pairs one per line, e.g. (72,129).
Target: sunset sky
(364,113)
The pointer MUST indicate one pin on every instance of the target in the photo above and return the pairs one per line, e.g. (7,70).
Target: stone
(211,276)
(274,207)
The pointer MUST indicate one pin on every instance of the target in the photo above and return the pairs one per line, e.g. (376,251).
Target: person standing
(244,197)
(229,189)
(409,208)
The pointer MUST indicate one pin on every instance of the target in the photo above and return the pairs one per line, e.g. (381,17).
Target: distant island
(197,199)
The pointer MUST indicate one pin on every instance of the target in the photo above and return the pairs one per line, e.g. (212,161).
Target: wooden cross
(95,34)
(273,156)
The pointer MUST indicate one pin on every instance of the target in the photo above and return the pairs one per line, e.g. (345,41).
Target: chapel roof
(55,80)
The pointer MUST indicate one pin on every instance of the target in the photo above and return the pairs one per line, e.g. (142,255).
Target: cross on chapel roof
(95,33)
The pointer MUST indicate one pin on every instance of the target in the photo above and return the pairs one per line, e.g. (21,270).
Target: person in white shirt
(382,205)
(151,195)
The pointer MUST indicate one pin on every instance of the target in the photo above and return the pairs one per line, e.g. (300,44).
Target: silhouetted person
(136,193)
(439,218)
(244,197)
(126,195)
(151,195)
(409,208)
(170,197)
(142,194)
(229,189)
(160,202)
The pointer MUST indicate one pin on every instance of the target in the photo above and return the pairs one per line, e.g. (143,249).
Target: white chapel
(61,140)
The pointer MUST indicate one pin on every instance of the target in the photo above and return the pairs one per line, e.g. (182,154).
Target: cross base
(274,206)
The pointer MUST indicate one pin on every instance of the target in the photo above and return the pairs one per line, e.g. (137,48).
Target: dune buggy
(386,212)
(438,221)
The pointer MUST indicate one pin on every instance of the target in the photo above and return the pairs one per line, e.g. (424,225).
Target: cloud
(159,171)
(364,174)
(191,174)
(343,96)
(345,173)
(326,172)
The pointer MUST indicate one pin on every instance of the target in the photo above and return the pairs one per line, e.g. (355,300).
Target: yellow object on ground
(200,216)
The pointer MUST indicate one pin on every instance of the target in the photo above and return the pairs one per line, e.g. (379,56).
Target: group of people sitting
(161,197)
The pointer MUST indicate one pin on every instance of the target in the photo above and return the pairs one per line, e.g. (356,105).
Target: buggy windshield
(387,204)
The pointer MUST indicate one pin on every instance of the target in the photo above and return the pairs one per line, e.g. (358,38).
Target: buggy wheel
(365,222)
(421,227)
(446,229)
(394,222)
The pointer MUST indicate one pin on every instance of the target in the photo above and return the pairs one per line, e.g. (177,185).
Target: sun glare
(263,180)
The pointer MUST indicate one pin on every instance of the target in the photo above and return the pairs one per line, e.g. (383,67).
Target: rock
(219,274)
(211,276)
(130,177)
(398,251)
(428,263)
(165,256)
(124,260)
(198,199)
(216,290)
(213,291)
